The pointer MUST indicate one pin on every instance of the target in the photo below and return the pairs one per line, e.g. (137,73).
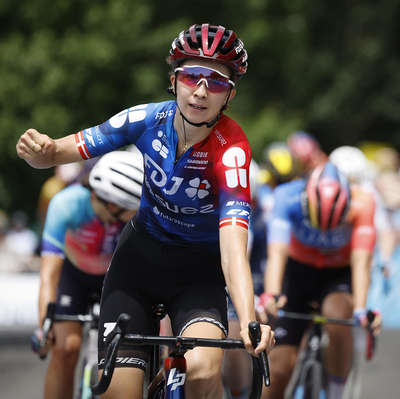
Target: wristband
(265,297)
(360,314)
(36,339)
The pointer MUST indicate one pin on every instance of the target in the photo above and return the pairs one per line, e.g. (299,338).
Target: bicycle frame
(173,376)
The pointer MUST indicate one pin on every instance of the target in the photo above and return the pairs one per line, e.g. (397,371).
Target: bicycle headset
(325,199)
(117,177)
(209,42)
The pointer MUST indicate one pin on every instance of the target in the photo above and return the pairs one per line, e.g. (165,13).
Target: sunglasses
(193,75)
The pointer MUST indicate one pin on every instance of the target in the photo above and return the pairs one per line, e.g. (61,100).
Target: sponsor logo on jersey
(171,219)
(133,114)
(163,115)
(89,137)
(238,212)
(238,203)
(220,137)
(330,240)
(236,175)
(159,178)
(200,154)
(366,230)
(198,189)
(160,147)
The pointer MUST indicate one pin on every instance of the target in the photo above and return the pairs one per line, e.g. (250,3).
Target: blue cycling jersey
(287,224)
(73,230)
(183,201)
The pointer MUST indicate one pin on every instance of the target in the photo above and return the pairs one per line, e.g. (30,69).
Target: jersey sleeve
(361,215)
(65,211)
(232,173)
(279,223)
(56,225)
(122,129)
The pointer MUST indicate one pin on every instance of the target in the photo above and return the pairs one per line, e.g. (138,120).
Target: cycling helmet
(213,43)
(279,162)
(303,146)
(326,197)
(351,161)
(117,177)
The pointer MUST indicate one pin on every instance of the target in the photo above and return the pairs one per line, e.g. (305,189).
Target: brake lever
(255,336)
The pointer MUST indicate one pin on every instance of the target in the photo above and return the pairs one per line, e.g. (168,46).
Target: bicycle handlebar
(180,344)
(51,317)
(318,319)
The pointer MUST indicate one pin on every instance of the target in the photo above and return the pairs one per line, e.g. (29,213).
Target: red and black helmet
(210,42)
(326,197)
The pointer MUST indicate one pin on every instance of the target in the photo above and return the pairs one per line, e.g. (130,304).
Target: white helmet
(117,177)
(351,161)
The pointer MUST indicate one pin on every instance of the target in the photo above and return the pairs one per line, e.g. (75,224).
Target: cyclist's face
(122,215)
(202,93)
(109,212)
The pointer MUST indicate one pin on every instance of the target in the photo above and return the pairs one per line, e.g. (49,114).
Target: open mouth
(197,107)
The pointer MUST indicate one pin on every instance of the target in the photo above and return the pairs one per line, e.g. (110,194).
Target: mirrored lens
(215,81)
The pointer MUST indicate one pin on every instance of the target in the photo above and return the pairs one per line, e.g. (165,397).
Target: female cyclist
(188,240)
(83,225)
(321,236)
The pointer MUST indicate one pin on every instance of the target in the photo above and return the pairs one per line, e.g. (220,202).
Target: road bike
(169,381)
(310,379)
(87,374)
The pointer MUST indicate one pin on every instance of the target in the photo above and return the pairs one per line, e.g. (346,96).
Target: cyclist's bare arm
(233,242)
(360,275)
(360,261)
(275,270)
(42,152)
(50,274)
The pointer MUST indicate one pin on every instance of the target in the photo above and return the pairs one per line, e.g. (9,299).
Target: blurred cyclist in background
(306,151)
(321,237)
(82,228)
(277,166)
(355,166)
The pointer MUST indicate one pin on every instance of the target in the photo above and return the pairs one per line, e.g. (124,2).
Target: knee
(203,377)
(338,304)
(66,355)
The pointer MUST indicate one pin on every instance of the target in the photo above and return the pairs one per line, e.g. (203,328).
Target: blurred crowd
(20,235)
(375,166)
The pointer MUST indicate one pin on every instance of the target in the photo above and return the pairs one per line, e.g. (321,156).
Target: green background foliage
(328,67)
